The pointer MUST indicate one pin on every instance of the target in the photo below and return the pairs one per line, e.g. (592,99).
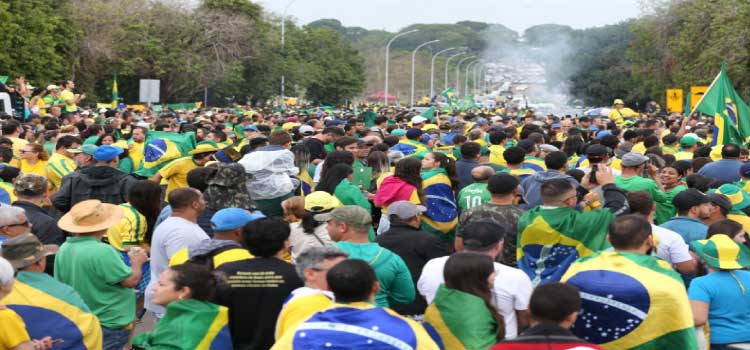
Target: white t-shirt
(511,291)
(671,247)
(171,235)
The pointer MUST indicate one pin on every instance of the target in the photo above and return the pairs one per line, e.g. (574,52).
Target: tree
(334,71)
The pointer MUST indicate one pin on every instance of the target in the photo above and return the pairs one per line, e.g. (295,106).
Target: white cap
(418,119)
(306,129)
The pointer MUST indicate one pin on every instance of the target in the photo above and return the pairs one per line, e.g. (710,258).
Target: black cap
(720,201)
(414,133)
(597,151)
(502,183)
(527,145)
(689,198)
(483,234)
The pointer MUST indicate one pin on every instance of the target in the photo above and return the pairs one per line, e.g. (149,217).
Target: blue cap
(231,218)
(556,125)
(426,138)
(603,133)
(250,127)
(106,153)
(593,127)
(745,170)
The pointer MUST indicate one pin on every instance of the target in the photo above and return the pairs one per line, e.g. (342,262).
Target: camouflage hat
(26,249)
(30,184)
(349,214)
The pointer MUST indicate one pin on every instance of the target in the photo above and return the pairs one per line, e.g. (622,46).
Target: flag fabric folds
(163,147)
(551,239)
(51,308)
(731,114)
(429,113)
(631,301)
(441,216)
(461,319)
(189,324)
(448,94)
(357,326)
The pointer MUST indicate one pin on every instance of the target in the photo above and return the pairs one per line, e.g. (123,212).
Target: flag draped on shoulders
(357,326)
(551,239)
(631,301)
(163,147)
(411,148)
(441,216)
(189,324)
(461,319)
(51,308)
(731,114)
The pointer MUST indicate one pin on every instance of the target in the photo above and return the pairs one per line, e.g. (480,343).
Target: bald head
(482,173)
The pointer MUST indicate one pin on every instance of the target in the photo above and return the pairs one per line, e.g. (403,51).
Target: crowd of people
(377,229)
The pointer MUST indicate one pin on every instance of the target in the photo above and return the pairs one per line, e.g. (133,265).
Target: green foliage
(334,71)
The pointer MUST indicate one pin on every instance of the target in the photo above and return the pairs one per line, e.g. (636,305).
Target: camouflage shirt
(506,215)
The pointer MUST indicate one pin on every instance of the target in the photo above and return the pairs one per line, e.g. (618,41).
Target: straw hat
(90,216)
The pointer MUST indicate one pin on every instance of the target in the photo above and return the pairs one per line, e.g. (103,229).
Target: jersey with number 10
(473,195)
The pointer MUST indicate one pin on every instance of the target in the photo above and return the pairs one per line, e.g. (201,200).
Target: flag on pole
(731,114)
(115,95)
(429,113)
(686,110)
(448,94)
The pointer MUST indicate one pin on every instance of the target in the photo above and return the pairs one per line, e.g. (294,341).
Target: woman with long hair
(404,185)
(33,159)
(191,321)
(333,158)
(309,232)
(462,311)
(440,183)
(338,182)
(381,168)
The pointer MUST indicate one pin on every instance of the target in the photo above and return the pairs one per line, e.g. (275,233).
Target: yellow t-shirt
(496,155)
(300,309)
(40,168)
(58,166)
(130,231)
(67,95)
(13,331)
(618,116)
(175,173)
(136,154)
(683,155)
(639,148)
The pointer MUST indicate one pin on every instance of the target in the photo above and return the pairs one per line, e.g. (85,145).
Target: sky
(518,15)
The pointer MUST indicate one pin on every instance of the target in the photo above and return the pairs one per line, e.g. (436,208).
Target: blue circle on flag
(613,304)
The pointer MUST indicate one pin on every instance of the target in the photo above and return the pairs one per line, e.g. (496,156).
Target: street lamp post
(432,69)
(458,72)
(466,76)
(387,61)
(447,62)
(478,68)
(413,63)
(283,42)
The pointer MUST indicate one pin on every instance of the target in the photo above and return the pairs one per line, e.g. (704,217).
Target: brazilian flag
(631,301)
(51,308)
(163,147)
(550,240)
(449,96)
(731,114)
(461,319)
(441,216)
(189,324)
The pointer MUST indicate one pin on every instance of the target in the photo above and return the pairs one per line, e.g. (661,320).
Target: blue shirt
(690,229)
(729,306)
(725,169)
(463,171)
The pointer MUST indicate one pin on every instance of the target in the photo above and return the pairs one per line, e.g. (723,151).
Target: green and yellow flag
(448,94)
(429,113)
(461,319)
(631,301)
(189,324)
(731,114)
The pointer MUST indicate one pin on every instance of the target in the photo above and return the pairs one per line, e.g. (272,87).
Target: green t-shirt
(638,183)
(95,270)
(473,195)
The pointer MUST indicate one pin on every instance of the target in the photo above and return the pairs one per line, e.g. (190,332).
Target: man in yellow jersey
(176,172)
(136,146)
(61,162)
(312,267)
(688,145)
(12,130)
(619,112)
(69,98)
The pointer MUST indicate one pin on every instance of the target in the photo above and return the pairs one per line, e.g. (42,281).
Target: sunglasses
(25,223)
